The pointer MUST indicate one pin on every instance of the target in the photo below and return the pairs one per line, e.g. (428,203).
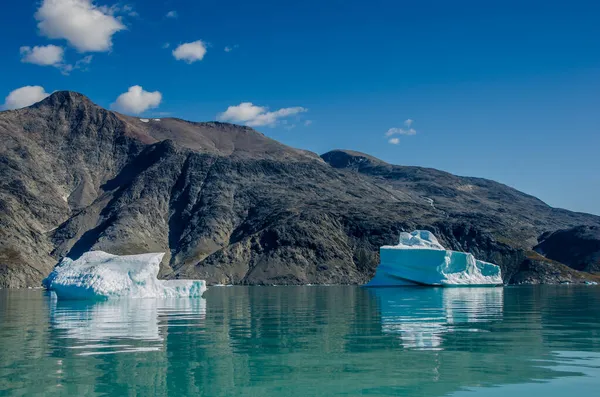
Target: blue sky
(506,90)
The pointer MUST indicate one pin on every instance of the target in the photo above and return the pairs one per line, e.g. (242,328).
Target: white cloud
(86,26)
(136,100)
(83,61)
(127,8)
(400,131)
(52,55)
(172,14)
(308,122)
(49,55)
(24,96)
(166,45)
(80,64)
(243,112)
(230,48)
(407,130)
(190,52)
(254,116)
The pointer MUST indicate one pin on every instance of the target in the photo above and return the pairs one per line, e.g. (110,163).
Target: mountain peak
(341,158)
(64,98)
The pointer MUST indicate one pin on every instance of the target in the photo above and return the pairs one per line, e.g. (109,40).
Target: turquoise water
(306,341)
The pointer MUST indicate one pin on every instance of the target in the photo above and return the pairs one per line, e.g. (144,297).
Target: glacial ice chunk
(99,275)
(419,259)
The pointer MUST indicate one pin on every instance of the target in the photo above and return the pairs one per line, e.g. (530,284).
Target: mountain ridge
(366,157)
(230,205)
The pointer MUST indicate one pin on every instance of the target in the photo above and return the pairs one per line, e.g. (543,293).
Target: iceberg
(419,259)
(98,275)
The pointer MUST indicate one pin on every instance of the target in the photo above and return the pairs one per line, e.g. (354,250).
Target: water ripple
(306,341)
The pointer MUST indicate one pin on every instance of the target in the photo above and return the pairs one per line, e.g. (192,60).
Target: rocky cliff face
(232,206)
(577,247)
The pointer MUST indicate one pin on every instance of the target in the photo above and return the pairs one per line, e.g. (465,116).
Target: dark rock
(577,247)
(536,269)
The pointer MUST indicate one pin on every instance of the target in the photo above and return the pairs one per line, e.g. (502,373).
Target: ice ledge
(99,275)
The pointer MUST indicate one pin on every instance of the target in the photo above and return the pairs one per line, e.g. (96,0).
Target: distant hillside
(232,206)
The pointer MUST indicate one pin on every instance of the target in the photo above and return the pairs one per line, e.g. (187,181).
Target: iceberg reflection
(121,326)
(421,316)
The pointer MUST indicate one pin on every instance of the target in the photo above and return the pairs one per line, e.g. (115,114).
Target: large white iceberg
(99,275)
(419,259)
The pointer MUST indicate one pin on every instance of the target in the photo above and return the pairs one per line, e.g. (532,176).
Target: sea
(306,341)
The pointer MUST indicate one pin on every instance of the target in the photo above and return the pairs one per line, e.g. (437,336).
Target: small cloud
(50,55)
(190,52)
(308,122)
(407,130)
(83,62)
(290,127)
(128,9)
(136,100)
(166,45)
(400,131)
(24,96)
(86,26)
(254,116)
(230,48)
(172,14)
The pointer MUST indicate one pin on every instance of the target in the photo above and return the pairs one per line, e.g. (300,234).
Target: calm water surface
(306,341)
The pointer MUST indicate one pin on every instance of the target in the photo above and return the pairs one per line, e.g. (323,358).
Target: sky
(506,90)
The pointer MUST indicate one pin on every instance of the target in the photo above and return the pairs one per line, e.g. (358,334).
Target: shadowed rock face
(578,247)
(229,205)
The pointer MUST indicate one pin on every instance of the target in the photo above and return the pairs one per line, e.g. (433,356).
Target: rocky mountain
(230,205)
(577,247)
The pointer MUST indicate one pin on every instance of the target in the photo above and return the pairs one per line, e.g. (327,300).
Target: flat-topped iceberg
(419,259)
(99,275)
